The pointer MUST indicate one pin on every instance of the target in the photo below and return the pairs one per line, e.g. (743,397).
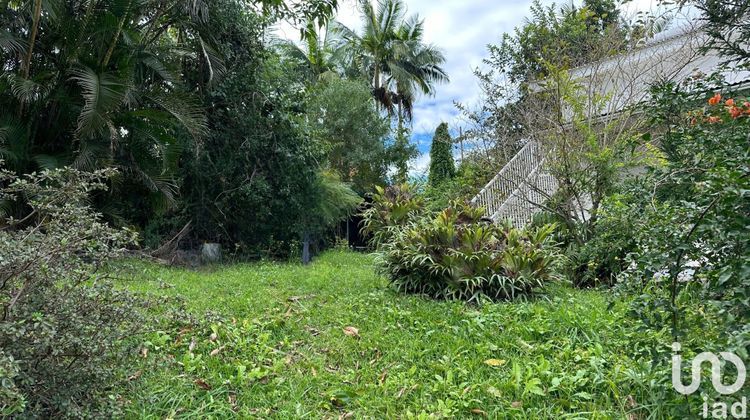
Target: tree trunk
(306,249)
(376,78)
(34,30)
(111,48)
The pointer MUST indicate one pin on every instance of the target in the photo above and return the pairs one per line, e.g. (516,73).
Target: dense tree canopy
(561,37)
(347,126)
(208,123)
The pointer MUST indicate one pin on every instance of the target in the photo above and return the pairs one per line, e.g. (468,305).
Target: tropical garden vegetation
(136,134)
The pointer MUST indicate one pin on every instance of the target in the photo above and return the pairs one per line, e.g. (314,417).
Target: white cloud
(420,166)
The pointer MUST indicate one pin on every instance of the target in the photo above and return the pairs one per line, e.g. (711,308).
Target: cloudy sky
(462,29)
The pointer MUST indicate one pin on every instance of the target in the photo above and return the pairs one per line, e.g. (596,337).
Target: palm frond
(160,68)
(49,161)
(216,68)
(197,9)
(91,155)
(11,44)
(102,94)
(336,199)
(184,108)
(31,89)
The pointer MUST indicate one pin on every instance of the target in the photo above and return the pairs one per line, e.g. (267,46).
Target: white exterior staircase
(516,192)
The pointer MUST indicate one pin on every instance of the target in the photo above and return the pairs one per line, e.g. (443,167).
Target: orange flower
(730,102)
(715,99)
(735,112)
(713,119)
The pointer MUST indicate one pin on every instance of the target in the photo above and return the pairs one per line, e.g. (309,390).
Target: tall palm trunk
(120,25)
(34,30)
(376,78)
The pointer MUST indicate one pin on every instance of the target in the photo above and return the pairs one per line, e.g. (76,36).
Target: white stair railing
(517,190)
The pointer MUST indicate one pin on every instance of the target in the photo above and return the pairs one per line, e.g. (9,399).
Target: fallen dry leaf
(191,347)
(495,362)
(213,337)
(144,352)
(345,416)
(203,384)
(135,376)
(405,390)
(516,404)
(382,377)
(478,411)
(631,404)
(232,401)
(351,332)
(214,352)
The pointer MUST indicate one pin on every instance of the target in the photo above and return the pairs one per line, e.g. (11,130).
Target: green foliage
(175,97)
(321,57)
(64,328)
(250,181)
(470,177)
(457,256)
(345,123)
(401,152)
(100,85)
(604,255)
(334,201)
(392,208)
(564,37)
(586,149)
(442,167)
(692,230)
(554,38)
(722,18)
(280,334)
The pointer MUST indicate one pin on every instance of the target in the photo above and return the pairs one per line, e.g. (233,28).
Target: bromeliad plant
(392,208)
(456,255)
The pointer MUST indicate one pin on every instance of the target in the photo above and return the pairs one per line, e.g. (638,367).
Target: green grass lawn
(275,345)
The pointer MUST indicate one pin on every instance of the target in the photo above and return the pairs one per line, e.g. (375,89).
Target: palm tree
(392,54)
(320,56)
(93,83)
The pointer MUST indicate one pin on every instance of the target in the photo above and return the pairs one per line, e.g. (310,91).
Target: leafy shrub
(469,178)
(457,256)
(392,208)
(601,258)
(61,320)
(691,262)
